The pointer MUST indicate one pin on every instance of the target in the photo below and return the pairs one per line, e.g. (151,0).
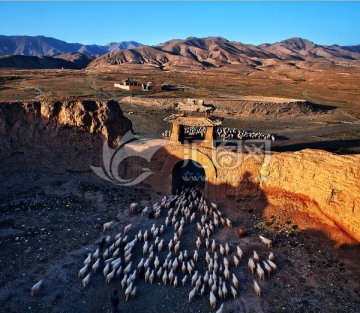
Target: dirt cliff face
(321,182)
(57,136)
(323,185)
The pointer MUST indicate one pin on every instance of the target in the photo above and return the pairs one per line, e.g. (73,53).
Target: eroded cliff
(321,182)
(57,136)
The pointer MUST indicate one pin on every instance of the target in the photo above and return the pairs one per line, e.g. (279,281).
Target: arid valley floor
(51,220)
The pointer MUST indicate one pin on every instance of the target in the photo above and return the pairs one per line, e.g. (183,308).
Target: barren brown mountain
(41,45)
(219,52)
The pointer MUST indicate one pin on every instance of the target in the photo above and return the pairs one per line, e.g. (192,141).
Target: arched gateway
(193,160)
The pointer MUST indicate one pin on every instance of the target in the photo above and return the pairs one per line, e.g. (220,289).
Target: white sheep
(194,278)
(128,292)
(184,280)
(198,283)
(133,293)
(239,252)
(235,281)
(106,269)
(133,207)
(196,255)
(213,245)
(212,300)
(127,228)
(146,235)
(96,254)
(233,291)
(145,247)
(267,268)
(260,271)
(198,243)
(272,264)
(222,250)
(224,290)
(236,261)
(170,244)
(160,245)
(177,247)
(108,225)
(256,256)
(175,264)
(127,269)
(83,271)
(159,273)
(221,309)
(266,241)
(251,265)
(189,268)
(86,280)
(156,262)
(147,275)
(171,276)
(110,276)
(228,223)
(119,271)
(227,249)
(88,259)
(123,282)
(226,273)
(165,277)
(128,258)
(202,291)
(145,210)
(257,288)
(271,256)
(192,294)
(96,266)
(151,277)
(36,288)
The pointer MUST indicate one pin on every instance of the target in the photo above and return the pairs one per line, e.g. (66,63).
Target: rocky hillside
(218,52)
(57,136)
(64,60)
(41,45)
(81,60)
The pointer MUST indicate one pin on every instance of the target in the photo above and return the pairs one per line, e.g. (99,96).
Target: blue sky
(156,22)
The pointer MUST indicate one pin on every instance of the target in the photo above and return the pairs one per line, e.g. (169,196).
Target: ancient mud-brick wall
(322,183)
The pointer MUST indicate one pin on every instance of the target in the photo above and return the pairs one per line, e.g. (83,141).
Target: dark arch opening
(188,173)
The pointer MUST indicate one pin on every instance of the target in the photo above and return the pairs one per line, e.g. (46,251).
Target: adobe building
(133,84)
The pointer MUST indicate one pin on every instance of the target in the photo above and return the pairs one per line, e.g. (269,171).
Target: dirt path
(301,135)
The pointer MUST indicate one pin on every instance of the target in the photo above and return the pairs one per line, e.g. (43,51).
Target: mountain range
(47,46)
(190,53)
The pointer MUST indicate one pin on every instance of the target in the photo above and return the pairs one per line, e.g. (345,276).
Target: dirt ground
(50,222)
(49,226)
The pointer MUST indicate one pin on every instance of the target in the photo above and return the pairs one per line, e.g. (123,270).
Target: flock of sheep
(226,133)
(208,267)
(223,133)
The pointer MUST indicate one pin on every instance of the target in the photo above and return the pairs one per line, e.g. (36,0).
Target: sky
(156,22)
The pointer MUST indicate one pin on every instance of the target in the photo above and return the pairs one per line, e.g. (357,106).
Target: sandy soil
(48,227)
